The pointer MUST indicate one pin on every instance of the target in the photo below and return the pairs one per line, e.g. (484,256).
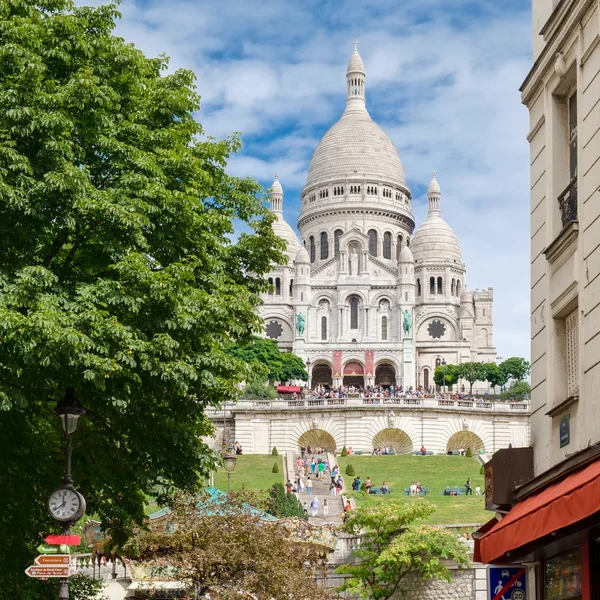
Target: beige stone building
(554,524)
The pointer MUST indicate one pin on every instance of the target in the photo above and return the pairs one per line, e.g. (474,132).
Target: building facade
(363,296)
(552,524)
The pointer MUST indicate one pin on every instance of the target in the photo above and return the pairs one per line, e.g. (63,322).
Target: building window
(458,288)
(337,234)
(270,286)
(432,285)
(568,198)
(354,313)
(387,245)
(277,286)
(312,249)
(323,328)
(452,285)
(418,287)
(324,245)
(373,242)
(291,287)
(384,328)
(572,339)
(483,312)
(440,286)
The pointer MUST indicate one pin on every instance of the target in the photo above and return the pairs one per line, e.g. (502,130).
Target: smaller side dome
(302,256)
(406,255)
(355,64)
(434,186)
(276,186)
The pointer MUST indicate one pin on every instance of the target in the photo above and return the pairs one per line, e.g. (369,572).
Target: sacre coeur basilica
(365,297)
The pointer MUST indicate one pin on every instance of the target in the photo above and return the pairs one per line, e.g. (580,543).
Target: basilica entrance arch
(321,375)
(317,438)
(394,438)
(385,375)
(464,440)
(354,374)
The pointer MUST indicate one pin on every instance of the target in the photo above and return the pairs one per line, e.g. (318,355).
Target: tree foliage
(258,390)
(516,368)
(517,391)
(267,362)
(472,372)
(393,546)
(494,375)
(446,375)
(118,276)
(281,504)
(229,553)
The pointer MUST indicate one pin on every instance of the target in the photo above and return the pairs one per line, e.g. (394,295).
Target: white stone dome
(302,256)
(406,255)
(434,241)
(355,64)
(434,186)
(283,230)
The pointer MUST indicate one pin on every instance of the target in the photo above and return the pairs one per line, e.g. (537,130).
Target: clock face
(65,504)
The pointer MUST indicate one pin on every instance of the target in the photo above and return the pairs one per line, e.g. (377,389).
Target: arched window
(399,241)
(354,313)
(426,378)
(277,286)
(337,234)
(440,286)
(452,285)
(384,328)
(324,245)
(418,287)
(438,362)
(270,286)
(387,245)
(323,328)
(458,287)
(432,285)
(312,249)
(291,287)
(372,242)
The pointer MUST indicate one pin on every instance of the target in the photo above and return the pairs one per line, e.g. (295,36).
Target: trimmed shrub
(469,452)
(344,452)
(350,470)
(274,451)
(275,468)
(281,504)
(482,470)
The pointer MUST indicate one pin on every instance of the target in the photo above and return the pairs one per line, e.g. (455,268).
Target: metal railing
(567,202)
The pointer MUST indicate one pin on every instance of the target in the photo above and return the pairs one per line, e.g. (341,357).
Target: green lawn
(434,472)
(253,471)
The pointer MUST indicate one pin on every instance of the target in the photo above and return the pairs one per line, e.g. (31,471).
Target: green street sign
(42,549)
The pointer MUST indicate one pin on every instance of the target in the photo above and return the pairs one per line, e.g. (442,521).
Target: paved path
(321,490)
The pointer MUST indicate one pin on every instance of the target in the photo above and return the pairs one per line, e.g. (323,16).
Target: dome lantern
(355,78)
(434,194)
(276,196)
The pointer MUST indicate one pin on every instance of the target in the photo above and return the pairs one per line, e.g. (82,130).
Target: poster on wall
(562,577)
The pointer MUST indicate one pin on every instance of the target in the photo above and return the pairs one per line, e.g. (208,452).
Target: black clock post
(66,505)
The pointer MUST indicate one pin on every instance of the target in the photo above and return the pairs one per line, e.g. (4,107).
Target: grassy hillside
(252,470)
(434,472)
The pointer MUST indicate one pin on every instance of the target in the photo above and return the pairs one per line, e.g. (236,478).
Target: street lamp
(229,459)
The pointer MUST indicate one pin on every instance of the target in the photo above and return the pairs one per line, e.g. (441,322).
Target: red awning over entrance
(289,389)
(559,505)
(353,368)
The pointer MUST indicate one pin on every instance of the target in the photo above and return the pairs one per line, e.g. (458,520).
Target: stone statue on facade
(353,260)
(392,420)
(406,322)
(300,324)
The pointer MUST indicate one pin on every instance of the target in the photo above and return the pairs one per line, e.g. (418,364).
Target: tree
(228,552)
(257,390)
(118,276)
(267,362)
(393,546)
(281,504)
(446,375)
(517,391)
(494,375)
(472,372)
(515,368)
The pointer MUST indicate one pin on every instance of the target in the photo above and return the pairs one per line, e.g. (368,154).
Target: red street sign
(59,540)
(35,571)
(53,559)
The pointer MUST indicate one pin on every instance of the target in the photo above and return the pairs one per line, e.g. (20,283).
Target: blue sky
(442,80)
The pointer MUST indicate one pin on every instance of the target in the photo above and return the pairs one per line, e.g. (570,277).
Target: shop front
(553,527)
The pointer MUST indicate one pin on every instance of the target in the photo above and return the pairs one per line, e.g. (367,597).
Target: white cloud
(442,79)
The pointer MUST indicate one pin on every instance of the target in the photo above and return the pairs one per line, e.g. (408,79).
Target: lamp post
(308,363)
(66,505)
(229,459)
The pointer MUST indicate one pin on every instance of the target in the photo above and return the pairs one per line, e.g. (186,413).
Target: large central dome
(356,147)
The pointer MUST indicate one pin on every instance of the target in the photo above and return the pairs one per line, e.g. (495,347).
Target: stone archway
(385,375)
(354,374)
(464,440)
(321,375)
(317,438)
(393,438)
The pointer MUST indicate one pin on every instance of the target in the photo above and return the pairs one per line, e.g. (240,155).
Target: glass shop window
(563,576)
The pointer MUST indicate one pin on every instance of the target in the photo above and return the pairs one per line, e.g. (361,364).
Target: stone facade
(361,297)
(462,587)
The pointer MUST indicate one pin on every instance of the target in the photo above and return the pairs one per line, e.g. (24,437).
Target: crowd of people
(378,391)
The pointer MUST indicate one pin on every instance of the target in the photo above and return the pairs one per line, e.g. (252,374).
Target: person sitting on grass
(384,488)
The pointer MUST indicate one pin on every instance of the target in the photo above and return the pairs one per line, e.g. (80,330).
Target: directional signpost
(507,583)
(44,572)
(43,549)
(53,559)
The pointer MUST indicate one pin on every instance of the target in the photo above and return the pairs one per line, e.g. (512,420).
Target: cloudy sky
(442,80)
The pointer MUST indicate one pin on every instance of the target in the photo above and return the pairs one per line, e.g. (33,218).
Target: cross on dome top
(355,42)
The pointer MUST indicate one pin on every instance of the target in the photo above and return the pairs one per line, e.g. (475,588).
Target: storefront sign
(565,431)
(507,583)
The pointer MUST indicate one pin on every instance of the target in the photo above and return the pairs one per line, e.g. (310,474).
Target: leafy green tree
(394,546)
(516,368)
(281,504)
(516,391)
(494,375)
(446,375)
(267,362)
(257,390)
(118,276)
(472,372)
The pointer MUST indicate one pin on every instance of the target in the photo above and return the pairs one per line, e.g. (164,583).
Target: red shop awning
(559,505)
(288,389)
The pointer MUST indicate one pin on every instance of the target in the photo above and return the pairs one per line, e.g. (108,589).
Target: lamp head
(229,459)
(69,410)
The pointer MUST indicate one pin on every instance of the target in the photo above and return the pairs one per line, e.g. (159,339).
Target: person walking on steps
(314,506)
(325,508)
